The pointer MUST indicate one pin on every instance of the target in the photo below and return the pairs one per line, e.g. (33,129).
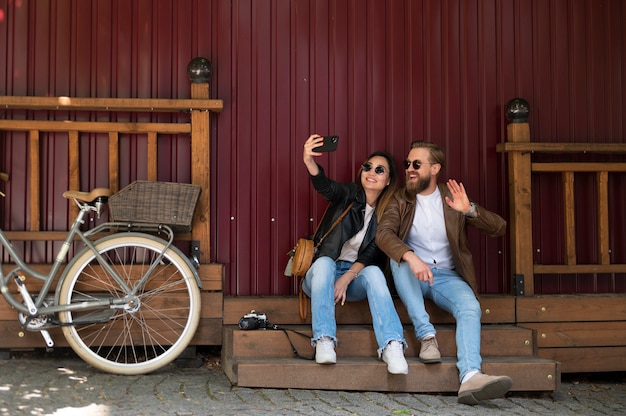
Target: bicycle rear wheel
(152,327)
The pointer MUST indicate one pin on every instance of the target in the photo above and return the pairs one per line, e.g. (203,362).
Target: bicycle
(127,303)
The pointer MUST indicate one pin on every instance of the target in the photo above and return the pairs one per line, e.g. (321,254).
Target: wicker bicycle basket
(152,202)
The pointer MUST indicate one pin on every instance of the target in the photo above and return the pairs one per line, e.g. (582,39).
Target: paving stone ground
(62,385)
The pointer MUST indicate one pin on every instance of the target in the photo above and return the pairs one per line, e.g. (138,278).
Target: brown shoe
(483,387)
(429,351)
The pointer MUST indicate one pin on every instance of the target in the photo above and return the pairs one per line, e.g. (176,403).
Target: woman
(347,265)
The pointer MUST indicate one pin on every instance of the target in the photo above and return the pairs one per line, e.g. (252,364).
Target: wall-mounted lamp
(517,110)
(199,70)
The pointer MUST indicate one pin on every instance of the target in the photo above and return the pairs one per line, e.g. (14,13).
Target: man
(422,230)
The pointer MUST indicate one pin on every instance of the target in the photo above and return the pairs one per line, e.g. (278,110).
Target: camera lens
(248,323)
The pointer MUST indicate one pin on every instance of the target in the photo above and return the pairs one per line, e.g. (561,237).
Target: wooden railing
(198,106)
(520,164)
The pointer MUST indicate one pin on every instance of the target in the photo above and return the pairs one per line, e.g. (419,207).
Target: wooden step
(370,374)
(359,341)
(264,358)
(284,310)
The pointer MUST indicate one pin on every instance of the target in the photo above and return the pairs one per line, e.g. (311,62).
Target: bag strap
(332,227)
(301,297)
(293,347)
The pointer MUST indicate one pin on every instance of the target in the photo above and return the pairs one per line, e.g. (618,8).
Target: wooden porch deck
(264,358)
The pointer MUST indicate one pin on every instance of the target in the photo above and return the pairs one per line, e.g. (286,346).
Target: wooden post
(603,218)
(35,181)
(153,156)
(74,169)
(521,207)
(569,217)
(200,172)
(114,161)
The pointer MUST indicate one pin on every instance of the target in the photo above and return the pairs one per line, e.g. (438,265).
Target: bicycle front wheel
(154,324)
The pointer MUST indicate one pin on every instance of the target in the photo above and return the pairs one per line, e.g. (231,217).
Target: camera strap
(293,347)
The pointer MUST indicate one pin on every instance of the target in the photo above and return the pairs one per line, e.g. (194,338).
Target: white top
(427,236)
(350,249)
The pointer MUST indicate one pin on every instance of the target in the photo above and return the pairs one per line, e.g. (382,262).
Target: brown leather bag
(304,251)
(302,258)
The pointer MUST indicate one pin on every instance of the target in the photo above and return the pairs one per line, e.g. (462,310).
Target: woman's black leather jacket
(339,196)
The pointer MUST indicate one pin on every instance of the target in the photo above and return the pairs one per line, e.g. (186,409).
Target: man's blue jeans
(370,284)
(452,294)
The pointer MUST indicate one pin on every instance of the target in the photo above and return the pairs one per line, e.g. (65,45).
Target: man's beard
(415,188)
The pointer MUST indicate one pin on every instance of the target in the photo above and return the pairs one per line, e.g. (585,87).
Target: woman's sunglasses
(379,170)
(416,164)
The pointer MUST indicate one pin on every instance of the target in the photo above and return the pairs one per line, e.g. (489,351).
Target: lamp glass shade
(517,110)
(199,70)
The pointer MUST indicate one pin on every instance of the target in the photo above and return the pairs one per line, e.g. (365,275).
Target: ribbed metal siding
(377,73)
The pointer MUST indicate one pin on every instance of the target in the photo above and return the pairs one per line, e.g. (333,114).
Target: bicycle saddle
(88,197)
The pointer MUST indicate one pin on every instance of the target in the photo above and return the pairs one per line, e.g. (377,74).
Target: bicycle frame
(34,307)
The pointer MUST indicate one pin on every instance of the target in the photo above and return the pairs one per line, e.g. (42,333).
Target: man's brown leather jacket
(397,219)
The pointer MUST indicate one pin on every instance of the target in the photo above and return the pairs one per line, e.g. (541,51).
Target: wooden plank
(602,181)
(578,268)
(94,126)
(360,341)
(212,305)
(211,276)
(587,360)
(579,334)
(527,147)
(209,332)
(110,104)
(569,218)
(284,310)
(14,337)
(35,180)
(571,308)
(578,167)
(60,236)
(370,374)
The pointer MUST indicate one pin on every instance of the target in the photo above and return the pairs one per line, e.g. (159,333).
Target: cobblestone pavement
(63,385)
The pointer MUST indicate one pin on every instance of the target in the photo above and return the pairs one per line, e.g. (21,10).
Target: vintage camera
(254,320)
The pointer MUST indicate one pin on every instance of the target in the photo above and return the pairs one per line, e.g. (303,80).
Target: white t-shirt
(427,236)
(350,249)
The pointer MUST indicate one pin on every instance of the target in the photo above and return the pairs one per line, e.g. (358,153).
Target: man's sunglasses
(379,170)
(416,164)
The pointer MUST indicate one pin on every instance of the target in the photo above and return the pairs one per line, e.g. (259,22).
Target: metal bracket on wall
(194,257)
(518,284)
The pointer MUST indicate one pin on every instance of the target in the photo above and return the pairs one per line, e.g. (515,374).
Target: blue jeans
(452,294)
(370,284)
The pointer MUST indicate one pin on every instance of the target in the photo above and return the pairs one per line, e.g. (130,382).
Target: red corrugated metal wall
(377,73)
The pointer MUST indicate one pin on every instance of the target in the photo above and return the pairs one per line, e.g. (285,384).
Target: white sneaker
(325,351)
(393,355)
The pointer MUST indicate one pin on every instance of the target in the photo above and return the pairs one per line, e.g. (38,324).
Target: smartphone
(328,145)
